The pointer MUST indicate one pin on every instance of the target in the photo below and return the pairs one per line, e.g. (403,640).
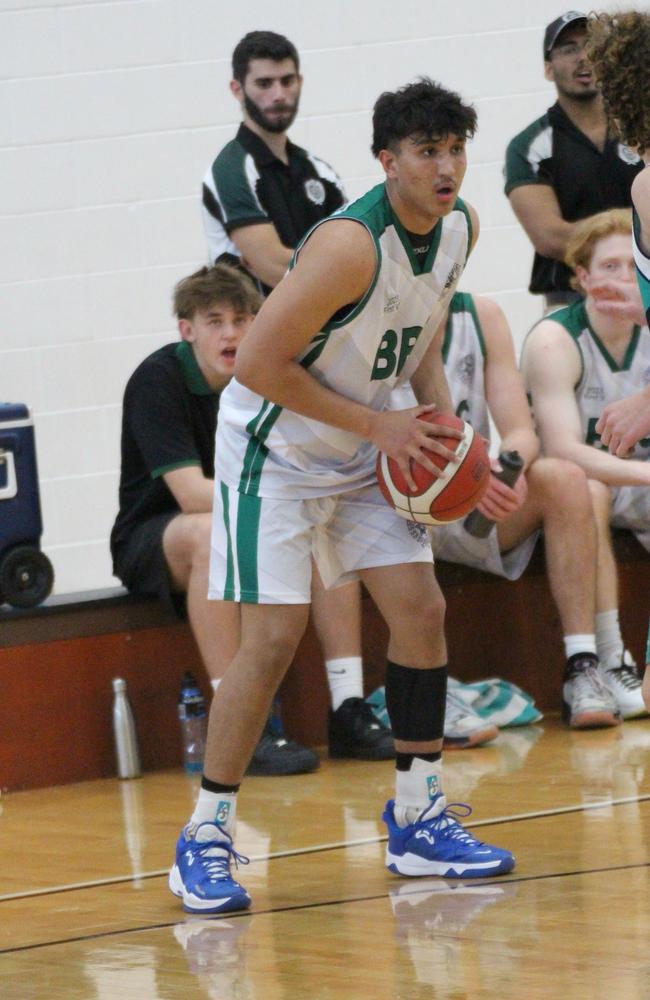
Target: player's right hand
(501,500)
(618,298)
(401,436)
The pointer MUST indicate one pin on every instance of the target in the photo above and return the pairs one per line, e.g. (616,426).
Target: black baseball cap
(556,27)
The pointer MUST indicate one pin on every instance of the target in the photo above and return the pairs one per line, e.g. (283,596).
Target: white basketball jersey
(265,450)
(463,354)
(642,262)
(602,380)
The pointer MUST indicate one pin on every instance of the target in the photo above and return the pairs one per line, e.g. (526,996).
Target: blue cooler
(26,574)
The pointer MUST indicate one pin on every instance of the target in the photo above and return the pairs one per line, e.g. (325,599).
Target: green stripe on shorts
(248,523)
(229,586)
(259,428)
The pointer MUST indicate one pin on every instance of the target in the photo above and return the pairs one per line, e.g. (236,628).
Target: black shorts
(141,565)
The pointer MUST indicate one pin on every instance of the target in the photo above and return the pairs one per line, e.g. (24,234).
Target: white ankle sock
(608,638)
(215,807)
(345,679)
(415,788)
(579,644)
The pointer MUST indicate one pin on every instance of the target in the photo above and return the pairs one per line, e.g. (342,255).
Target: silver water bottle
(126,740)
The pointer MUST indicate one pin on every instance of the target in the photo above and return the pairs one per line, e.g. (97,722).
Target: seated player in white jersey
(552,494)
(575,362)
(615,43)
(297,441)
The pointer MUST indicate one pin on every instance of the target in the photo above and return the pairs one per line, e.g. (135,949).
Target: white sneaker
(625,683)
(587,702)
(463,727)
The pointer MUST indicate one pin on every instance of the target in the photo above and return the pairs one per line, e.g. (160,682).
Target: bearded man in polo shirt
(262,192)
(261,195)
(566,165)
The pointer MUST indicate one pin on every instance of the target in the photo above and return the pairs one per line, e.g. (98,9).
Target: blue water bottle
(193,718)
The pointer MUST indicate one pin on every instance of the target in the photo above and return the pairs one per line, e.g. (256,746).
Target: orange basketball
(444,499)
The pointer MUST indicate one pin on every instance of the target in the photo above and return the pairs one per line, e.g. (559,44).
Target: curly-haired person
(619,50)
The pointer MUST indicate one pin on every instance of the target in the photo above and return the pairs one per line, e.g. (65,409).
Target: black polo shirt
(169,420)
(553,151)
(248,185)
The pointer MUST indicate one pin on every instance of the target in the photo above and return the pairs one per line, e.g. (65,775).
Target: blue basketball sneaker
(201,874)
(437,844)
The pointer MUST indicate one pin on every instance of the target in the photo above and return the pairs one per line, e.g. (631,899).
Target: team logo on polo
(315,191)
(626,154)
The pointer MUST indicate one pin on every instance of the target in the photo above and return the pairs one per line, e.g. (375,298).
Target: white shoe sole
(413,865)
(193,904)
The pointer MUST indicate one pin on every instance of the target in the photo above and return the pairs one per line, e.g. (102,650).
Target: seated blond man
(552,494)
(576,362)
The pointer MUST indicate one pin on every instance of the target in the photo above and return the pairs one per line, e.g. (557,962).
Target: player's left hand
(623,423)
(500,500)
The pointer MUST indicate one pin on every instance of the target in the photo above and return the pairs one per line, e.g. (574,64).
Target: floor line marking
(335,846)
(320,903)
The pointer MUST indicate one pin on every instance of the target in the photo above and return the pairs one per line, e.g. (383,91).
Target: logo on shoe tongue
(433,785)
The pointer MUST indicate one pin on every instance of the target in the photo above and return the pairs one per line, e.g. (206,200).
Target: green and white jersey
(463,354)
(602,380)
(642,262)
(266,450)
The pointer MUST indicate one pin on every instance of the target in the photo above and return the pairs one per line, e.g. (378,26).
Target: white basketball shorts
(452,543)
(631,509)
(262,548)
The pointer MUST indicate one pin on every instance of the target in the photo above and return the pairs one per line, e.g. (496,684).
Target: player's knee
(274,646)
(199,531)
(423,614)
(561,481)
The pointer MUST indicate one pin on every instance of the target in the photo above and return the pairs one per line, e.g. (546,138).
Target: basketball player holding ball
(300,426)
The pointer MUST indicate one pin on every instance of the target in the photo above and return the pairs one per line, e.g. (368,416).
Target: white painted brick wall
(110,113)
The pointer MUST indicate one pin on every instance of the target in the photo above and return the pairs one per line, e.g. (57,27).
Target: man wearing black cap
(566,165)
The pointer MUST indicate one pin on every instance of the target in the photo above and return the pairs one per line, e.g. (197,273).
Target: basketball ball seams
(445,498)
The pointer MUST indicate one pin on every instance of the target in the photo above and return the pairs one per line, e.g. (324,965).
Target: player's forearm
(429,381)
(550,240)
(270,269)
(192,491)
(290,386)
(601,466)
(523,441)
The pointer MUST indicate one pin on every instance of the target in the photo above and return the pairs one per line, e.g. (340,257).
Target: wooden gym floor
(85,911)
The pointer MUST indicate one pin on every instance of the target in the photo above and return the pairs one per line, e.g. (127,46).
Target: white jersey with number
(265,450)
(464,354)
(602,380)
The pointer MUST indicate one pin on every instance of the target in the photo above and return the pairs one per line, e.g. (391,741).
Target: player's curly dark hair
(424,109)
(618,47)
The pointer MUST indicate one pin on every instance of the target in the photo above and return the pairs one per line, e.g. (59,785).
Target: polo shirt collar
(558,116)
(260,151)
(194,378)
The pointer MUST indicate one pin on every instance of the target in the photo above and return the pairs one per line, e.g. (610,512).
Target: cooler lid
(13,411)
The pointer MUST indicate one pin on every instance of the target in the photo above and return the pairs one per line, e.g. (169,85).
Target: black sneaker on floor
(354,731)
(275,754)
